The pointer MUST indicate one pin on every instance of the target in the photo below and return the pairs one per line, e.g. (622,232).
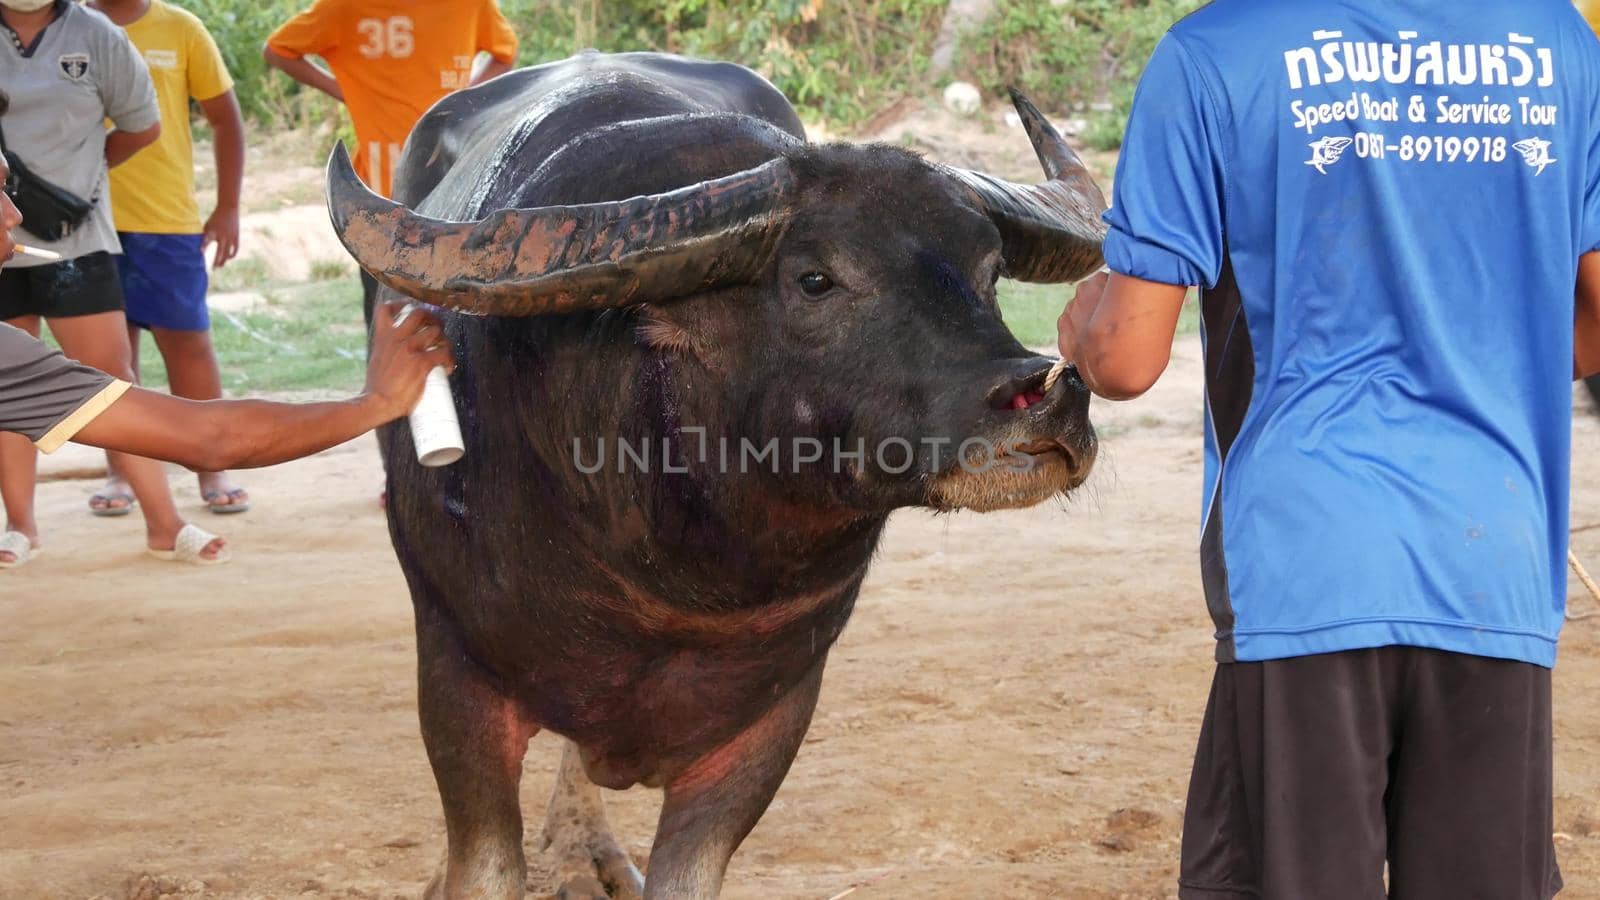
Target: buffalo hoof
(593,867)
(583,887)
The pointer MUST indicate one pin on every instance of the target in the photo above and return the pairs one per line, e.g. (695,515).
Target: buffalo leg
(578,839)
(476,738)
(712,805)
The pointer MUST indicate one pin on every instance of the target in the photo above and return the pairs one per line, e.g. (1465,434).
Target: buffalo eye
(815,284)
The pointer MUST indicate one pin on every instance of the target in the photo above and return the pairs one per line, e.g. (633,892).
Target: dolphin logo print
(1535,152)
(1326,151)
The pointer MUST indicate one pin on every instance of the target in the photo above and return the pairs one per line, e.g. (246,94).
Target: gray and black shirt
(81,71)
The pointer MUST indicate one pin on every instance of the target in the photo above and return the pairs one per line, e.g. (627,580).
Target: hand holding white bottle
(435,428)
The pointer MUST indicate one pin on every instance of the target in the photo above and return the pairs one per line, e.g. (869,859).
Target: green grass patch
(328,270)
(246,274)
(305,337)
(1031,310)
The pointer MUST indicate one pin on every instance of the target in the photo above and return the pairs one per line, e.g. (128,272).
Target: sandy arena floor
(1010,714)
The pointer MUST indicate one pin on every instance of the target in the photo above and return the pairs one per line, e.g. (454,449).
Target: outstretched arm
(214,435)
(1118,331)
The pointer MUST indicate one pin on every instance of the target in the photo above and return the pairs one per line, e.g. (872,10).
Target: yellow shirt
(1591,11)
(393,59)
(154,191)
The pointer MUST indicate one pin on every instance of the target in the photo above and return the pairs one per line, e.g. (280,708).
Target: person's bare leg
(101,341)
(114,493)
(18,463)
(193,372)
(18,466)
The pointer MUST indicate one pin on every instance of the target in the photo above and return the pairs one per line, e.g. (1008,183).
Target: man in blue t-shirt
(1388,205)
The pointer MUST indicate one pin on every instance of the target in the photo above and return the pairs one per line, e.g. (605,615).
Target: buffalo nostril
(1020,391)
(1069,376)
(1026,399)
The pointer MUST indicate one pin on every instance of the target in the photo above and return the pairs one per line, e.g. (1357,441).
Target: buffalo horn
(1051,232)
(558,259)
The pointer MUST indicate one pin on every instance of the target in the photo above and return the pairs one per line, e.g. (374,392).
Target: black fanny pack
(49,211)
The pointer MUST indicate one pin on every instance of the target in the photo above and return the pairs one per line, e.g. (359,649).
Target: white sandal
(187,547)
(18,545)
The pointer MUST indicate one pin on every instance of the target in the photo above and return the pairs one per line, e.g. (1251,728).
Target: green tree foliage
(838,60)
(841,59)
(240,28)
(1073,54)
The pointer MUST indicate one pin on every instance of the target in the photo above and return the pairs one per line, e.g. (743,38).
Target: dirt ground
(1010,714)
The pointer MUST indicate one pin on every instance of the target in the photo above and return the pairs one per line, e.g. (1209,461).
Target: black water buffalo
(649,257)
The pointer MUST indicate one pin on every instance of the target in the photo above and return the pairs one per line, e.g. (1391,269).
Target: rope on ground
(257,336)
(1583,576)
(861,884)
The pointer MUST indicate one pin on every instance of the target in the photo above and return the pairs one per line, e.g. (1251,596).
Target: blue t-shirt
(1384,202)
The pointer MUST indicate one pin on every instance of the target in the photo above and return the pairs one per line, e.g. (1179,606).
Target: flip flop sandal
(17,544)
(191,540)
(108,511)
(226,509)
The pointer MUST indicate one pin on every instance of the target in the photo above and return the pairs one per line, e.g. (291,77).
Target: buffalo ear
(678,329)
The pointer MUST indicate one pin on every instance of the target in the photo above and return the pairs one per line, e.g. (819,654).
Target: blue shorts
(164,281)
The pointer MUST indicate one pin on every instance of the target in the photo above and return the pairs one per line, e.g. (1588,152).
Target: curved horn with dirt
(559,259)
(1052,231)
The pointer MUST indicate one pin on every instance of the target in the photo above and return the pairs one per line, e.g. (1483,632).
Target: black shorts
(75,287)
(1314,772)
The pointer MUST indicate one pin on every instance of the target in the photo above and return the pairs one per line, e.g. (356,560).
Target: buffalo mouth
(1021,474)
(1078,460)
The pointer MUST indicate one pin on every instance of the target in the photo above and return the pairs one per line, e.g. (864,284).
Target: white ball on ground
(963,98)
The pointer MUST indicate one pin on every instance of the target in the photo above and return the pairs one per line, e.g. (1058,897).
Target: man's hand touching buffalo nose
(1118,330)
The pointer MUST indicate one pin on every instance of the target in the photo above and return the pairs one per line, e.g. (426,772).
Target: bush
(842,60)
(838,60)
(240,28)
(1079,55)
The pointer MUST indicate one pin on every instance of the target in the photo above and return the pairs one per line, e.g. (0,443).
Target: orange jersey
(394,59)
(1591,11)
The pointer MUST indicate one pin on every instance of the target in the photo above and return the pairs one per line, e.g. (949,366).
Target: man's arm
(121,145)
(1118,331)
(215,435)
(494,68)
(227,127)
(1586,318)
(129,99)
(1164,230)
(304,71)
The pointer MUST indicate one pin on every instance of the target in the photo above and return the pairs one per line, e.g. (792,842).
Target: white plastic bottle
(435,429)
